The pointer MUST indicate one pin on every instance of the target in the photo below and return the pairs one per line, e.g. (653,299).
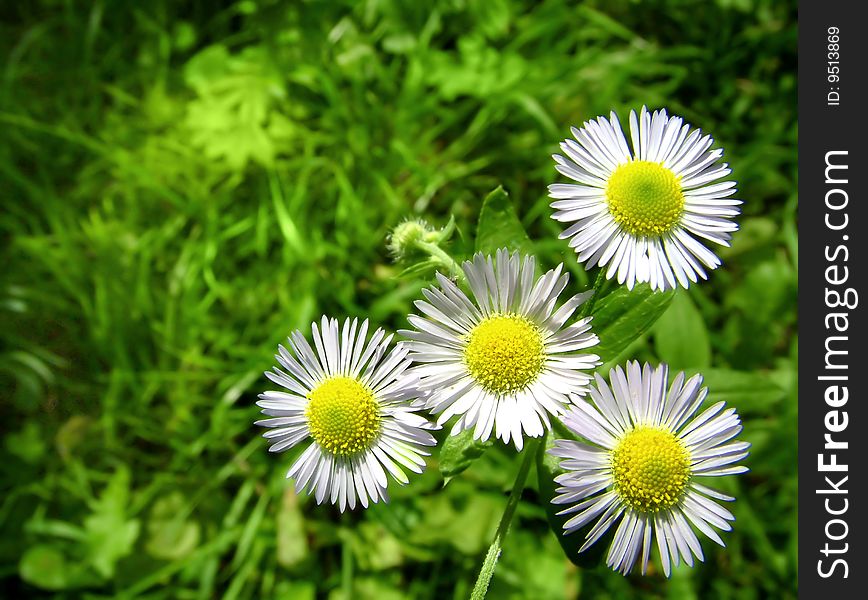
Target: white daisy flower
(645,456)
(356,403)
(645,212)
(506,361)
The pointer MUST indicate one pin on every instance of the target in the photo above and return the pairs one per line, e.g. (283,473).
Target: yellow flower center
(645,198)
(651,468)
(505,353)
(343,416)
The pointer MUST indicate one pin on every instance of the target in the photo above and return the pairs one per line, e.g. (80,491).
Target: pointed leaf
(499,226)
(750,393)
(680,335)
(458,452)
(623,316)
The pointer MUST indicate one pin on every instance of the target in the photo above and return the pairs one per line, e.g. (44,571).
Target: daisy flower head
(645,211)
(503,361)
(645,455)
(354,399)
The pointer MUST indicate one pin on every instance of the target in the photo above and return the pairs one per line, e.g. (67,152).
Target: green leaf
(44,566)
(110,534)
(295,590)
(235,117)
(458,452)
(624,315)
(171,535)
(499,226)
(370,588)
(375,548)
(547,576)
(28,444)
(474,523)
(48,568)
(750,393)
(72,434)
(680,335)
(547,468)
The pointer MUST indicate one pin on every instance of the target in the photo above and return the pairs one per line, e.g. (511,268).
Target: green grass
(183,186)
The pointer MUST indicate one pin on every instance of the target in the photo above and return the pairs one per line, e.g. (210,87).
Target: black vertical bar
(833,57)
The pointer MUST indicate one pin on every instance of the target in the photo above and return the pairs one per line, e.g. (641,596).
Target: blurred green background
(185,183)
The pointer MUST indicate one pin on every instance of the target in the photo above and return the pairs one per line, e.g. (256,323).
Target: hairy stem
(442,257)
(490,563)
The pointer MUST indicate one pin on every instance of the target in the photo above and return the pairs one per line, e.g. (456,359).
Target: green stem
(490,563)
(441,256)
(598,286)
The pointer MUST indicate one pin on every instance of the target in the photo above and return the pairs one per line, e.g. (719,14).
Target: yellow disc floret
(645,198)
(505,353)
(343,416)
(651,468)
